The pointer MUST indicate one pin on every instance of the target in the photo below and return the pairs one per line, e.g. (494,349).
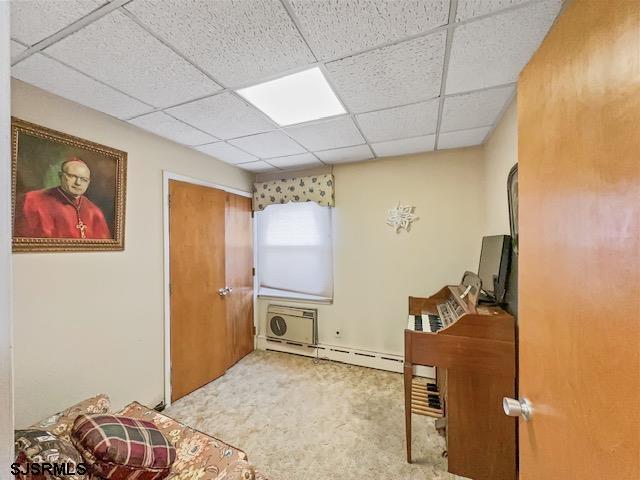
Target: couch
(198,456)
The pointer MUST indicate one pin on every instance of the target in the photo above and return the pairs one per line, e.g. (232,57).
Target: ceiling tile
(493,50)
(347,154)
(268,145)
(338,132)
(16,49)
(46,73)
(165,126)
(474,8)
(462,138)
(35,20)
(475,109)
(227,153)
(238,42)
(258,166)
(400,122)
(118,52)
(337,29)
(395,75)
(405,146)
(301,160)
(223,115)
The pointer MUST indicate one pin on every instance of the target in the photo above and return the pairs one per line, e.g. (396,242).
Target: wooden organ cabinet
(473,349)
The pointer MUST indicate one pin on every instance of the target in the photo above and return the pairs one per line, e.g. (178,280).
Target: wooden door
(199,336)
(579,264)
(239,267)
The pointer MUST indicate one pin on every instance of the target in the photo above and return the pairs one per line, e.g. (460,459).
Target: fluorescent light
(296,98)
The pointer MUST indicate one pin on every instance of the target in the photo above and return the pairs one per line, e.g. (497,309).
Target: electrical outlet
(338,333)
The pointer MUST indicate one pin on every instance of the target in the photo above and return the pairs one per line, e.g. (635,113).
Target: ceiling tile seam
(296,24)
(340,148)
(453,8)
(437,29)
(44,54)
(500,11)
(351,114)
(180,104)
(70,29)
(458,130)
(167,44)
(310,122)
(503,110)
(292,155)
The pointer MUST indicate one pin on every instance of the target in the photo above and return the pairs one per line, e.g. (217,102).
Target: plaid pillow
(119,448)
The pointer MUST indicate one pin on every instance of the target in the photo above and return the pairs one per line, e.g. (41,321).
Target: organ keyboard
(473,350)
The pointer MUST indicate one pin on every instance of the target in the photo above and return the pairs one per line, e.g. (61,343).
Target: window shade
(295,251)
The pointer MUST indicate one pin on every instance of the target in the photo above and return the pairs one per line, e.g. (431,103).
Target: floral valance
(316,188)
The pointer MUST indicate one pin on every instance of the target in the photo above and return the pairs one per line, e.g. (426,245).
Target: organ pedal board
(425,399)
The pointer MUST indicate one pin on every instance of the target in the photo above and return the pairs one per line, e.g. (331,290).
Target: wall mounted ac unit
(291,324)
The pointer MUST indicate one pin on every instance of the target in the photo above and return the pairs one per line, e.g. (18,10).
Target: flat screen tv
(494,267)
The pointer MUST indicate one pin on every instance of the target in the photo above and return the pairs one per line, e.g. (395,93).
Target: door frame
(166,177)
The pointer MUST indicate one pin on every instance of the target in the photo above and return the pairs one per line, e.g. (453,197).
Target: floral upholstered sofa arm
(198,456)
(61,423)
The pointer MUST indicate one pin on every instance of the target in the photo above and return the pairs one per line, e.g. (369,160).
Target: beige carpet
(300,420)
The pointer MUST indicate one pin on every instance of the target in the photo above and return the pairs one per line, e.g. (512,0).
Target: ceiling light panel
(475,8)
(50,75)
(292,161)
(346,154)
(115,50)
(268,145)
(475,109)
(258,166)
(400,122)
(296,98)
(405,146)
(339,132)
(462,138)
(165,126)
(32,21)
(395,75)
(492,51)
(223,115)
(237,42)
(227,153)
(338,29)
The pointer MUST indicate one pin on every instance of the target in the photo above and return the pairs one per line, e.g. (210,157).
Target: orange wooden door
(239,267)
(199,334)
(579,262)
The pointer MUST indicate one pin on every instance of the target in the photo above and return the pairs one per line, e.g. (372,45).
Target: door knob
(517,408)
(229,289)
(222,292)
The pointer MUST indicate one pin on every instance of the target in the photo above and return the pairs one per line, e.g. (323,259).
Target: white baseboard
(352,356)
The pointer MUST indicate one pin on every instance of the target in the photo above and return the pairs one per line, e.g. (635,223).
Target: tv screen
(494,265)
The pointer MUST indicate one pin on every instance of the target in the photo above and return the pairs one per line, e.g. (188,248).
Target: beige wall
(375,268)
(93,322)
(6,381)
(500,154)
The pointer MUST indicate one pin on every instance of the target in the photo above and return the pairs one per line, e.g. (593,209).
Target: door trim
(166,176)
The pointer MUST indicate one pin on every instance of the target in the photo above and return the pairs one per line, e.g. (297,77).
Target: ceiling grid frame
(449,27)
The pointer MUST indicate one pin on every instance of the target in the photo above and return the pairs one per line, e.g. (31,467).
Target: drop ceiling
(413,75)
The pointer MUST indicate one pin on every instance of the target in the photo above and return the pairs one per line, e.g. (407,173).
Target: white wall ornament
(401,217)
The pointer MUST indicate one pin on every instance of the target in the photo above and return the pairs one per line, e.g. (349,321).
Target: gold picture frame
(67,194)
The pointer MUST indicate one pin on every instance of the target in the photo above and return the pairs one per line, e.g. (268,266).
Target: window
(295,252)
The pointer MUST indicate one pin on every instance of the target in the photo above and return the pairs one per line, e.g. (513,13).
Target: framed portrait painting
(68,194)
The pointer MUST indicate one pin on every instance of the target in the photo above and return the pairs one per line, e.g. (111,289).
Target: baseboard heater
(363,358)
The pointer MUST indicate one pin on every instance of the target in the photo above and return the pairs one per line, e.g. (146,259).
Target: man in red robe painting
(63,211)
